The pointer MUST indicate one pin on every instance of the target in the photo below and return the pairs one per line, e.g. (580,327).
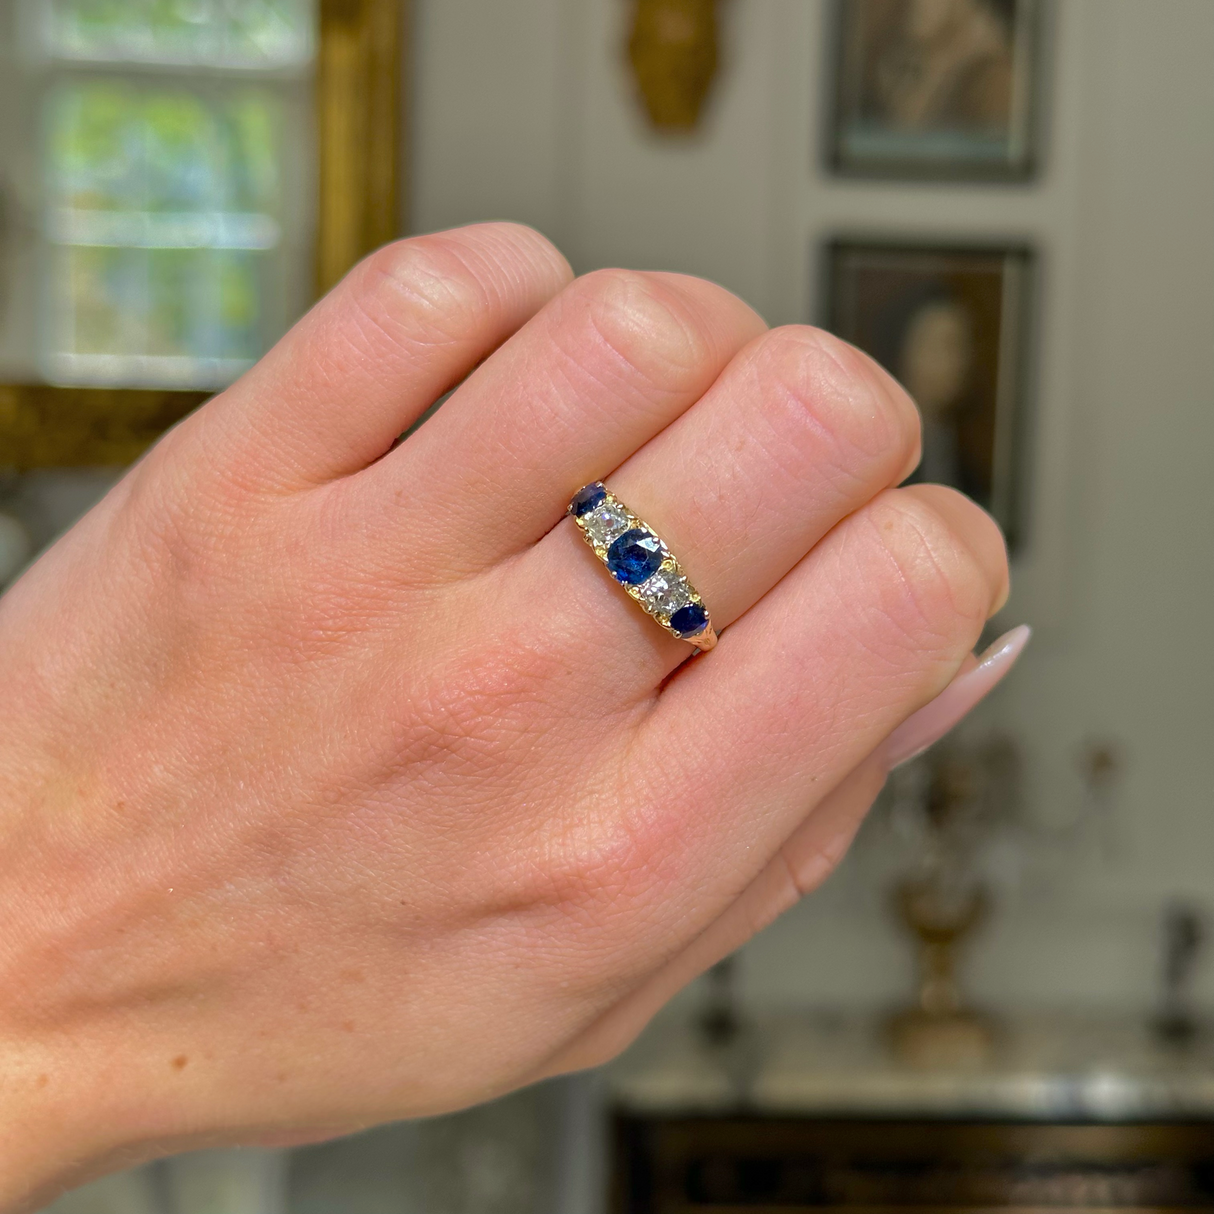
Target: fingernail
(934,720)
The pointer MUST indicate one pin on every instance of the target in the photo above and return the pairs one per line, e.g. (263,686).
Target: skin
(341,784)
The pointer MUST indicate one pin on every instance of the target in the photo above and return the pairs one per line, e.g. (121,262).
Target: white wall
(525,111)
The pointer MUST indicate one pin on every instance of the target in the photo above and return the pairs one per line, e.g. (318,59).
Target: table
(811,1111)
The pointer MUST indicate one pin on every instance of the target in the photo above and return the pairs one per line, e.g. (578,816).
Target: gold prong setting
(642,564)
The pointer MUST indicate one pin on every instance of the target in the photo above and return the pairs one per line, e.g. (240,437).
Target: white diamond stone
(665,591)
(606,523)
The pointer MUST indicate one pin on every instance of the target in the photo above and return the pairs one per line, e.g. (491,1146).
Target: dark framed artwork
(950,323)
(939,89)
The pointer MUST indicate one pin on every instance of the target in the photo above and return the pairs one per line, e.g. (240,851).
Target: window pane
(178,135)
(165,202)
(218,33)
(102,309)
(238,303)
(96,147)
(251,130)
(177,303)
(115,147)
(268,31)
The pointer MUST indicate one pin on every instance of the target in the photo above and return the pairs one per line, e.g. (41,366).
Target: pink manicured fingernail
(934,720)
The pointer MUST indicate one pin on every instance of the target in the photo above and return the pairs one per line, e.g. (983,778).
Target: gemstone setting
(635,556)
(689,621)
(665,592)
(642,564)
(585,499)
(606,523)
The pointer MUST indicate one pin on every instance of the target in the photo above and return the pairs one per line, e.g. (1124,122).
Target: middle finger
(600,370)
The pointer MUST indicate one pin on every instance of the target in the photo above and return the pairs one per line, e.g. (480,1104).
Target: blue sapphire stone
(585,500)
(635,557)
(690,620)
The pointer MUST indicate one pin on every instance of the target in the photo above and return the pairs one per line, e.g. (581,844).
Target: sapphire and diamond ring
(642,564)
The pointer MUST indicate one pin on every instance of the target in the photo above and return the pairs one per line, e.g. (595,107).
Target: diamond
(666,591)
(606,523)
(635,557)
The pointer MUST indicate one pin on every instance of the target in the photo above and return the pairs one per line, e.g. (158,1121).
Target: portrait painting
(950,325)
(934,88)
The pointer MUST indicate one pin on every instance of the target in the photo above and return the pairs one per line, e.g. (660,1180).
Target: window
(178,178)
(172,143)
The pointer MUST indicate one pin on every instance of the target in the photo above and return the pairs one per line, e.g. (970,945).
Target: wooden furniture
(808,1114)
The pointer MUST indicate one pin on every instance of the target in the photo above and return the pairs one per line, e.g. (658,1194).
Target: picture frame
(359,90)
(945,90)
(952,323)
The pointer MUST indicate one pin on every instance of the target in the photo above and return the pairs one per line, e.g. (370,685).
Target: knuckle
(179,532)
(633,325)
(835,393)
(941,589)
(423,288)
(583,871)
(468,715)
(604,860)
(429,288)
(508,253)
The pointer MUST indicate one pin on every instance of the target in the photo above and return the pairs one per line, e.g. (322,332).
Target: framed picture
(934,88)
(950,323)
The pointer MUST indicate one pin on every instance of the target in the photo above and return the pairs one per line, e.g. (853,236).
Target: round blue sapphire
(690,620)
(585,500)
(635,557)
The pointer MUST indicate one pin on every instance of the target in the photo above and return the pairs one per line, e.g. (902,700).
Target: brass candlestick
(940,1030)
(942,904)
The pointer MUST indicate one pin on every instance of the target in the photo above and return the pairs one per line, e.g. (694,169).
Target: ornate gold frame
(359,126)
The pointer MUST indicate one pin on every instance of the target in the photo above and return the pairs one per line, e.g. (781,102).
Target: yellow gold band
(638,559)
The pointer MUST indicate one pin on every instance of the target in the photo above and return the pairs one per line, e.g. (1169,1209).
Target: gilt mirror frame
(360,92)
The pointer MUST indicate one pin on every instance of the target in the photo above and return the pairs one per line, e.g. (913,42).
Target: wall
(524,111)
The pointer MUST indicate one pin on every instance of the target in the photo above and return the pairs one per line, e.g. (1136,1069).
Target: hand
(340,783)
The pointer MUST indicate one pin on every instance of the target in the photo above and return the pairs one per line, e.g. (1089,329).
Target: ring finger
(799,431)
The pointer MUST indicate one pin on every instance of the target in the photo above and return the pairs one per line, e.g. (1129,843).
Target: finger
(813,850)
(975,678)
(968,525)
(402,327)
(799,431)
(868,628)
(608,364)
(873,624)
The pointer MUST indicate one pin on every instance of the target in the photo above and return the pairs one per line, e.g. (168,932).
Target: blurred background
(1003,997)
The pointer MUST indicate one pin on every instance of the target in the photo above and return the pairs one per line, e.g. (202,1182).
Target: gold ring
(638,559)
